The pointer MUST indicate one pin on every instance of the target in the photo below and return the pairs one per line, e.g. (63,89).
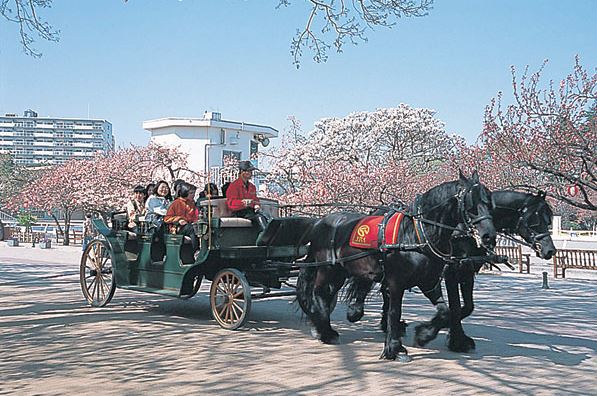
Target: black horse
(526,215)
(515,213)
(428,228)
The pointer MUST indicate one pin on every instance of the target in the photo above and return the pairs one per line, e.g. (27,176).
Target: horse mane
(526,199)
(438,194)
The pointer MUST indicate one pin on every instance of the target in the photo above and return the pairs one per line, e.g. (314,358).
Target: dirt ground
(529,341)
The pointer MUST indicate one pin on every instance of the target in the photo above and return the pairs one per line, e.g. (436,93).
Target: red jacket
(237,191)
(182,208)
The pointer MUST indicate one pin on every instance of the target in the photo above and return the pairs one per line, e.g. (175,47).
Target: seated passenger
(157,204)
(225,188)
(241,197)
(175,184)
(183,213)
(210,191)
(135,208)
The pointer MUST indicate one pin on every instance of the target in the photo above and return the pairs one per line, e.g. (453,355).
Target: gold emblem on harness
(362,232)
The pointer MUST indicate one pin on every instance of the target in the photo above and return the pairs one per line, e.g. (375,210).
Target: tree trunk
(59,230)
(66,240)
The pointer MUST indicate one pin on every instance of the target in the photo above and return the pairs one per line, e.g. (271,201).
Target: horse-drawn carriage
(232,254)
(408,248)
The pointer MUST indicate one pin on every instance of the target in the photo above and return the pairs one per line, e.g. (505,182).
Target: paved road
(529,341)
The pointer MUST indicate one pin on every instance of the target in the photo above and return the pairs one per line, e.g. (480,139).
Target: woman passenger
(157,204)
(183,212)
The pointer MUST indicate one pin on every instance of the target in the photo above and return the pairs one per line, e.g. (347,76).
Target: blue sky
(146,59)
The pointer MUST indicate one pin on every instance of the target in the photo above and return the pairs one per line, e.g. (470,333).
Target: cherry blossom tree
(547,138)
(366,158)
(112,177)
(102,184)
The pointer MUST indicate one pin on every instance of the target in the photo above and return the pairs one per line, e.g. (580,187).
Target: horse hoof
(331,338)
(402,358)
(399,357)
(386,355)
(461,344)
(423,334)
(314,333)
(354,314)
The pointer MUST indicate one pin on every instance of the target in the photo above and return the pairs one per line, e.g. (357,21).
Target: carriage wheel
(230,298)
(97,274)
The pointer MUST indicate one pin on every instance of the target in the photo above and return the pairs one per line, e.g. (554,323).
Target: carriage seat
(219,207)
(226,222)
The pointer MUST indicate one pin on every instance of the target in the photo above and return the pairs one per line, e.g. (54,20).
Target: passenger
(175,186)
(210,191)
(241,197)
(135,208)
(225,188)
(183,213)
(157,205)
(150,190)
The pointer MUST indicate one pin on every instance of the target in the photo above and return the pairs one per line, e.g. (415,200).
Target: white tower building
(208,140)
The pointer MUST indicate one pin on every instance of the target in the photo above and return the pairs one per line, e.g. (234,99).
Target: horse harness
(424,242)
(523,213)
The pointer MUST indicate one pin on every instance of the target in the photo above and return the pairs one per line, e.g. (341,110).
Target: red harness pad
(364,235)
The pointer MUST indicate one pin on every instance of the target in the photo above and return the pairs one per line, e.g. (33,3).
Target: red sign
(572,190)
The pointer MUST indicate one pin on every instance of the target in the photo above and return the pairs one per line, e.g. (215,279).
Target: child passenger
(183,212)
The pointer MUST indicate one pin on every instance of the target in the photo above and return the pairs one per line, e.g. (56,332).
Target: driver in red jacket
(241,196)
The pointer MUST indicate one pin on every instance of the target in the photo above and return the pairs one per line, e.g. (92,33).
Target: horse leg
(357,294)
(393,348)
(316,289)
(427,331)
(383,325)
(466,288)
(457,340)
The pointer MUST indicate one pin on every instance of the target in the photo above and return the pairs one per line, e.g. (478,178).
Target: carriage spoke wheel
(230,298)
(96,274)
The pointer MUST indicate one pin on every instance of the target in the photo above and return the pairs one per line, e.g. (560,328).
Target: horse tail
(356,289)
(304,288)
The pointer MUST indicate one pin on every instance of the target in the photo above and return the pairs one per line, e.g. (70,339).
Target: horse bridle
(468,221)
(535,237)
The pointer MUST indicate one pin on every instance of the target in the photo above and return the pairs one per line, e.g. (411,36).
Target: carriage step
(154,290)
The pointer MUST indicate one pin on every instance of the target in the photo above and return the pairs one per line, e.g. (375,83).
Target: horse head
(533,225)
(474,205)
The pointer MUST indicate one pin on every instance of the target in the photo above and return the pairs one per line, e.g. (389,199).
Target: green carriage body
(228,245)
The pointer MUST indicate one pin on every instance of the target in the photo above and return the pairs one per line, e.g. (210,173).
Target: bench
(573,258)
(74,237)
(516,256)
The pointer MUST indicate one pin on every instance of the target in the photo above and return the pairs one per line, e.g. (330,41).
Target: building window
(226,154)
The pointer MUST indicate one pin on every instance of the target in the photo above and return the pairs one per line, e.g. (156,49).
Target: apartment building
(34,140)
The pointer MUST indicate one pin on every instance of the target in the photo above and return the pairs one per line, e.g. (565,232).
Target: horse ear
(461,176)
(542,194)
(475,176)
